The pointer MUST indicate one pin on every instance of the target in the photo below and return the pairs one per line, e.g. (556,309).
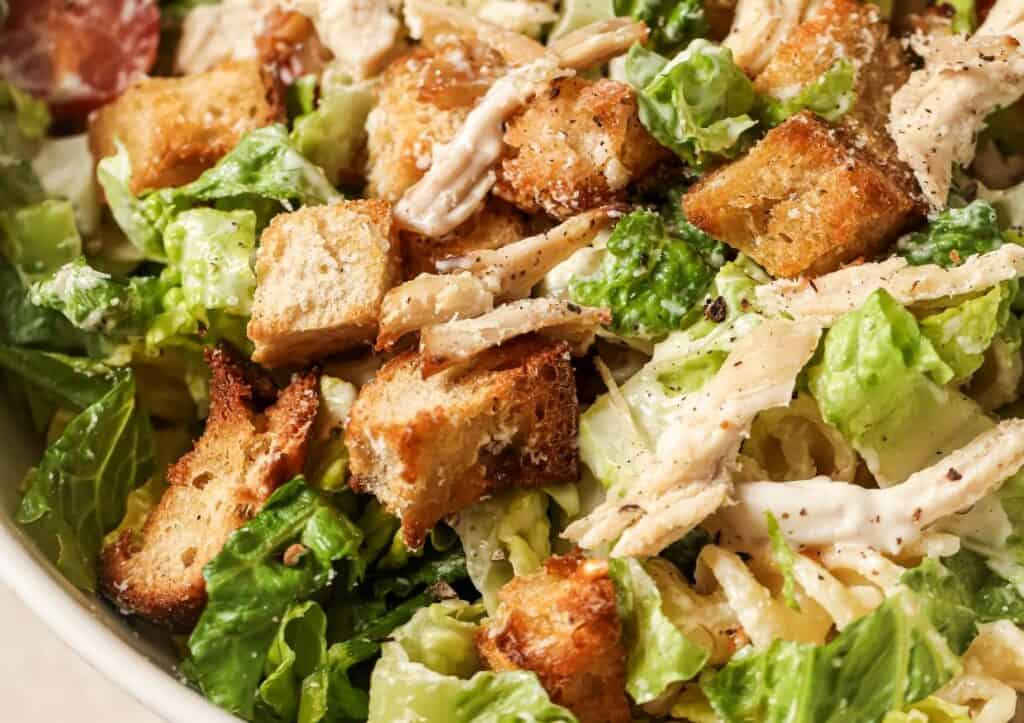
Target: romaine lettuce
(831,95)
(673,23)
(77,493)
(299,648)
(65,169)
(698,104)
(333,135)
(70,382)
(22,323)
(886,661)
(658,654)
(40,238)
(931,710)
(23,121)
(649,278)
(953,235)
(782,555)
(249,589)
(428,673)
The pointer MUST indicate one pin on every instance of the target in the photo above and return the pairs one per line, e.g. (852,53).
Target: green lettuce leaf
(670,206)
(658,654)
(65,169)
(114,174)
(962,334)
(299,648)
(698,104)
(831,95)
(40,238)
(249,589)
(428,673)
(991,596)
(327,460)
(965,15)
(886,661)
(212,251)
(953,236)
(574,14)
(333,136)
(77,493)
(783,556)
(951,602)
(649,278)
(931,710)
(22,323)
(877,377)
(673,23)
(71,382)
(23,121)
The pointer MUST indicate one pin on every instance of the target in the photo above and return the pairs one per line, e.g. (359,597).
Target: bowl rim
(76,620)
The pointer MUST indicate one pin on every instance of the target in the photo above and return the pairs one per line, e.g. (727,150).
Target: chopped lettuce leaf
(673,23)
(23,121)
(698,104)
(327,460)
(40,238)
(574,14)
(951,605)
(782,554)
(931,710)
(299,648)
(249,589)
(991,596)
(658,654)
(670,206)
(953,235)
(114,174)
(886,661)
(961,334)
(212,250)
(77,493)
(22,323)
(19,185)
(428,673)
(649,278)
(965,15)
(65,169)
(877,377)
(831,95)
(333,135)
(506,535)
(70,382)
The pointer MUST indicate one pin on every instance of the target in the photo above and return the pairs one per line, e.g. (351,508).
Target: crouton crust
(427,448)
(242,457)
(854,31)
(176,128)
(495,225)
(576,146)
(562,623)
(423,97)
(804,201)
(322,272)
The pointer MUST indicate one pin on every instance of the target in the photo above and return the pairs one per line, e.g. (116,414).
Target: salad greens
(953,236)
(831,95)
(673,23)
(649,278)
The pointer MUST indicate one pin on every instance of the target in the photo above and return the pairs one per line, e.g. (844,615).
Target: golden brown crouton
(805,200)
(242,457)
(575,147)
(495,225)
(321,274)
(176,128)
(562,623)
(854,31)
(422,100)
(427,448)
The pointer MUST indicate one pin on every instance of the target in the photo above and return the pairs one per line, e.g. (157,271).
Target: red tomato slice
(78,54)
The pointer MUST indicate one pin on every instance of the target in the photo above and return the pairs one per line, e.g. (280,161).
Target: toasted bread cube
(427,448)
(495,225)
(562,623)
(321,273)
(854,31)
(574,147)
(242,457)
(176,128)
(423,98)
(804,201)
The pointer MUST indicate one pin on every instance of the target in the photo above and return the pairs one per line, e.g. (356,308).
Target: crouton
(422,99)
(804,201)
(854,31)
(321,273)
(562,623)
(495,225)
(427,448)
(176,128)
(242,457)
(576,146)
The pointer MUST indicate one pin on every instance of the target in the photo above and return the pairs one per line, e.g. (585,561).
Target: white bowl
(143,668)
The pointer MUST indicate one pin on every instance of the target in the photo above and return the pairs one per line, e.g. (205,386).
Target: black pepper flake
(716,310)
(953,475)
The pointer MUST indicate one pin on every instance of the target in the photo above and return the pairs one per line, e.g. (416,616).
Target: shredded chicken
(520,16)
(427,19)
(821,511)
(360,53)
(510,272)
(462,172)
(598,42)
(936,115)
(430,299)
(204,43)
(688,479)
(1006,17)
(460,340)
(828,297)
(760,26)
